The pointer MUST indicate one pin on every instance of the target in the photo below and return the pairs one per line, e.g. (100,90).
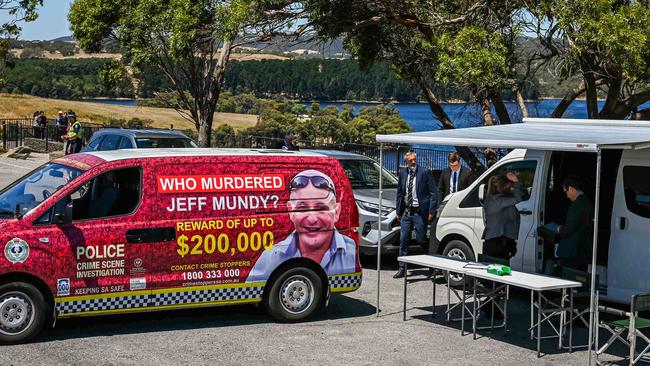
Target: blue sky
(52,21)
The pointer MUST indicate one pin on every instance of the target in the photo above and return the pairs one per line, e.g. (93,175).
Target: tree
(606,45)
(459,44)
(18,10)
(188,41)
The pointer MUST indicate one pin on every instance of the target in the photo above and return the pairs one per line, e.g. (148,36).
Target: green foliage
(474,58)
(64,79)
(131,123)
(329,125)
(16,11)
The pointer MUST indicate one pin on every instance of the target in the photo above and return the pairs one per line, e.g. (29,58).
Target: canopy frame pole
(594,254)
(381,167)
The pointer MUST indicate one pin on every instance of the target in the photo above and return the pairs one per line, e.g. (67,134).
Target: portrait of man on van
(314,211)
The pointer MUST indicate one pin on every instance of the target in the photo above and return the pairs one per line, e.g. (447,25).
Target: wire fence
(434,159)
(22,132)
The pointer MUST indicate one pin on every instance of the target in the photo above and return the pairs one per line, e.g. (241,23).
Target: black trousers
(501,247)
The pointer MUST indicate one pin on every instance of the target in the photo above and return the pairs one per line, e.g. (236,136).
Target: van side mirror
(481,193)
(62,212)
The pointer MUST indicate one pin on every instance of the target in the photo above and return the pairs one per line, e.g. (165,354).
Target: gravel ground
(348,332)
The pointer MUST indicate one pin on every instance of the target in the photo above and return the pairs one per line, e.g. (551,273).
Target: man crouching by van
(314,212)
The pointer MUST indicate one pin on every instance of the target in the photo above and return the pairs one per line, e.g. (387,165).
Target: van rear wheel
(295,295)
(458,249)
(22,312)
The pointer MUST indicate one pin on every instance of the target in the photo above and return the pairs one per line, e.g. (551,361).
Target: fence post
(47,139)
(4,135)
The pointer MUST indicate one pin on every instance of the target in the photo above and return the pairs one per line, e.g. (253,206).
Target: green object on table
(499,269)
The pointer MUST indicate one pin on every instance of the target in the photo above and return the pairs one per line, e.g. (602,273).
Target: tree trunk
(569,97)
(612,101)
(488,120)
(206,115)
(521,103)
(500,108)
(591,91)
(447,124)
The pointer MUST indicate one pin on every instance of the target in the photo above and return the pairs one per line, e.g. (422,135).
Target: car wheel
(295,295)
(460,250)
(22,312)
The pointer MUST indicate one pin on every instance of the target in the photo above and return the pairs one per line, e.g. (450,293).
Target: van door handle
(153,235)
(525,212)
(622,223)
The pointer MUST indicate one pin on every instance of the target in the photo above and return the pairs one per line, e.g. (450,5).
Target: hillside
(23,106)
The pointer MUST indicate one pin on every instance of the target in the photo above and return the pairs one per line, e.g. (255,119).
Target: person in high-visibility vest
(75,134)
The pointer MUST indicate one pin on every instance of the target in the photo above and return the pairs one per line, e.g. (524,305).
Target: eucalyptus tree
(187,41)
(457,43)
(17,11)
(605,45)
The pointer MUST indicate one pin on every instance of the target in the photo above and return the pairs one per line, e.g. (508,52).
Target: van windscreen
(32,189)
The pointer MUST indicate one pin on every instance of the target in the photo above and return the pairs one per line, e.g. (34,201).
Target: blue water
(419,117)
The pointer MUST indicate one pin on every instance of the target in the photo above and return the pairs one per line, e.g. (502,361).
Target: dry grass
(56,55)
(21,106)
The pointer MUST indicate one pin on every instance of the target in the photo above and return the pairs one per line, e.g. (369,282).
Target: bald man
(314,211)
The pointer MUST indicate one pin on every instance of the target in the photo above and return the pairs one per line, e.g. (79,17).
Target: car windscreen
(32,189)
(163,142)
(365,174)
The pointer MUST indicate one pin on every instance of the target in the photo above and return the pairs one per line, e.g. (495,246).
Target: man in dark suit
(453,179)
(577,231)
(287,143)
(416,204)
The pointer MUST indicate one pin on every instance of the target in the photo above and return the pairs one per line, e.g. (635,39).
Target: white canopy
(538,133)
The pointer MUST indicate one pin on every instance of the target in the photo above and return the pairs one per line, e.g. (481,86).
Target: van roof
(114,155)
(554,134)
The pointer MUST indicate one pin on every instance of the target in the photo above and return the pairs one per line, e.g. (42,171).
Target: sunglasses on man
(302,181)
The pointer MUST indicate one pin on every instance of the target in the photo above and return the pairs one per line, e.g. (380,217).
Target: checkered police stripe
(163,299)
(107,303)
(221,294)
(345,282)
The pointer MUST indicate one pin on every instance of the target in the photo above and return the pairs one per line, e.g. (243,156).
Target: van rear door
(629,252)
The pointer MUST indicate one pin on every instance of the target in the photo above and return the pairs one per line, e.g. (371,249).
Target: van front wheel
(22,312)
(295,295)
(458,249)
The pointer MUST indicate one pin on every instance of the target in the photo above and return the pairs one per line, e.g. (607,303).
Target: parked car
(121,138)
(130,231)
(363,174)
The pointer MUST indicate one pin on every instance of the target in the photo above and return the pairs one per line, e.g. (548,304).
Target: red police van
(140,230)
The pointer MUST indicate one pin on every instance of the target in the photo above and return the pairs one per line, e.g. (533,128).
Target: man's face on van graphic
(314,210)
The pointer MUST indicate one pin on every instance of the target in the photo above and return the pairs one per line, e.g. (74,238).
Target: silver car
(363,174)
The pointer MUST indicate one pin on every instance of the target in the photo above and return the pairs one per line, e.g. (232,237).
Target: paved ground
(347,333)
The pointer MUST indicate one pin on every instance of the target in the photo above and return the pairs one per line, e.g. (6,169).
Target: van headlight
(374,208)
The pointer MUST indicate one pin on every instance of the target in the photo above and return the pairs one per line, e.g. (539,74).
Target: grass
(23,106)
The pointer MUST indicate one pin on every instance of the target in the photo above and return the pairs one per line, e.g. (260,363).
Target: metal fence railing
(22,132)
(434,159)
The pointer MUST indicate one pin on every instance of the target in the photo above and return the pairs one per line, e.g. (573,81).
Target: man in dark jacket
(453,179)
(577,231)
(416,204)
(287,143)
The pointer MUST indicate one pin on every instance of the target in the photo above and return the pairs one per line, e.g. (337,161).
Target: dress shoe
(399,274)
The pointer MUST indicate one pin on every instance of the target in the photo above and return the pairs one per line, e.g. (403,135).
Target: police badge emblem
(16,250)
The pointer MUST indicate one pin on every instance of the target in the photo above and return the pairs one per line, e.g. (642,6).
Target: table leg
(562,320)
(462,309)
(433,309)
(406,274)
(474,308)
(571,322)
(492,306)
(505,311)
(539,321)
(532,313)
(448,297)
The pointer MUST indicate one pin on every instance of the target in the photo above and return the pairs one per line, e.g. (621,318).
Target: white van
(546,151)
(623,247)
